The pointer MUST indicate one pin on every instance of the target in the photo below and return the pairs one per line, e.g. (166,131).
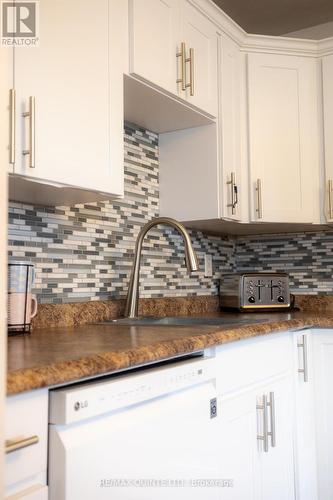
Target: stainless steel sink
(185,321)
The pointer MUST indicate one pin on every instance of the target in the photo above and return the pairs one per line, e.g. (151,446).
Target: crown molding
(280,45)
(222,21)
(325,47)
(262,43)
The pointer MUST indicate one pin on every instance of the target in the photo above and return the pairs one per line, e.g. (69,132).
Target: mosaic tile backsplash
(85,252)
(306,257)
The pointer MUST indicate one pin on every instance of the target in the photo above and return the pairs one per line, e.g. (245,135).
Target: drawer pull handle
(271,404)
(182,55)
(264,437)
(191,61)
(305,369)
(17,444)
(330,206)
(234,193)
(31,115)
(259,199)
(12,95)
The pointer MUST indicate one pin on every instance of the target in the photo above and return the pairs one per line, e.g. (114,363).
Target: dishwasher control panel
(90,399)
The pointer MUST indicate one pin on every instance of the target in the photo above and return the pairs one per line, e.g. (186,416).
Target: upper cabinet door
(201,41)
(174,47)
(231,76)
(73,81)
(154,30)
(283,137)
(327,68)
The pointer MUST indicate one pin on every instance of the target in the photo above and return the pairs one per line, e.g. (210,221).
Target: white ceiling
(277,17)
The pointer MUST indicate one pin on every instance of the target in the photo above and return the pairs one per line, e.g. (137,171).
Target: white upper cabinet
(283,137)
(154,30)
(210,160)
(327,68)
(231,126)
(72,84)
(174,47)
(200,38)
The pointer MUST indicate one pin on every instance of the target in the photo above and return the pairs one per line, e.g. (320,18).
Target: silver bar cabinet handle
(259,198)
(234,193)
(191,61)
(12,103)
(305,369)
(271,404)
(182,55)
(31,115)
(264,436)
(330,207)
(17,444)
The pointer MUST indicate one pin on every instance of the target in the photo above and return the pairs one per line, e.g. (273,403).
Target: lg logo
(80,404)
(19,23)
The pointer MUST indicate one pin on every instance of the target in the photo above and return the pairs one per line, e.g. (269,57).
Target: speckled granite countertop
(49,357)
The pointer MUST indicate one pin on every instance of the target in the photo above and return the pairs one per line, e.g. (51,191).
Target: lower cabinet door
(256,443)
(322,341)
(276,466)
(237,439)
(305,443)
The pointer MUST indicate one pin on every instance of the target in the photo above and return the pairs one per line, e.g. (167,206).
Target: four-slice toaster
(255,291)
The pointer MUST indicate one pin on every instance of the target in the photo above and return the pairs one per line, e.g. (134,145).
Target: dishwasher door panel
(156,450)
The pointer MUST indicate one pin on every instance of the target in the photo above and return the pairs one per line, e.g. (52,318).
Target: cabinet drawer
(26,439)
(250,361)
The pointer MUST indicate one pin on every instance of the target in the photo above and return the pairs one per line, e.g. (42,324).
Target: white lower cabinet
(323,402)
(256,442)
(237,444)
(26,446)
(276,471)
(255,421)
(295,372)
(305,445)
(273,432)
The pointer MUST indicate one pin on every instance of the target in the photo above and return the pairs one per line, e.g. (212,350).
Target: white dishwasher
(147,434)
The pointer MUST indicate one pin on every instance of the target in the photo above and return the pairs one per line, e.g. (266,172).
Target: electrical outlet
(208,265)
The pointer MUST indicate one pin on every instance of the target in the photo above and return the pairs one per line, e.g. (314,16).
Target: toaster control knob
(251,299)
(280,299)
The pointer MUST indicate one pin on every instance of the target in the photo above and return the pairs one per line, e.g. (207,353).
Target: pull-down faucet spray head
(131,309)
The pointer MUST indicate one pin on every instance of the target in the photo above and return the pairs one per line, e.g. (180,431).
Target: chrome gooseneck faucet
(131,309)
